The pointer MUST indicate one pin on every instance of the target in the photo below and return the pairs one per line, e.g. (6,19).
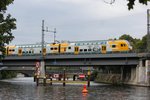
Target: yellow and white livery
(77,47)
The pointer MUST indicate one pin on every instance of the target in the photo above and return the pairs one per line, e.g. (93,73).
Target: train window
(69,47)
(51,48)
(121,45)
(113,46)
(55,48)
(81,50)
(10,50)
(89,50)
(85,49)
(23,52)
(26,51)
(40,51)
(29,51)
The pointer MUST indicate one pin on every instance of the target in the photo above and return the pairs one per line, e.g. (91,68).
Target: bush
(8,74)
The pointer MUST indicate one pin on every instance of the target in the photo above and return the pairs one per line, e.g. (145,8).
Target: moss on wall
(108,78)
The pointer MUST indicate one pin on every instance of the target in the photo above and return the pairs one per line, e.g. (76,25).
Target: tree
(131,40)
(128,38)
(139,45)
(130,3)
(7,24)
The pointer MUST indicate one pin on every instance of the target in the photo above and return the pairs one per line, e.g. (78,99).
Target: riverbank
(30,80)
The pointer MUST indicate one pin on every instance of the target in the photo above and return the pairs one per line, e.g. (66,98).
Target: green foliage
(8,74)
(7,24)
(139,45)
(129,38)
(4,4)
(93,75)
(131,3)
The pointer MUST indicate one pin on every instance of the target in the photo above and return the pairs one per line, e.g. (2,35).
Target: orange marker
(84,89)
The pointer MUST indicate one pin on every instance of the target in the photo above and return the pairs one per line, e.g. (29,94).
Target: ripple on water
(26,89)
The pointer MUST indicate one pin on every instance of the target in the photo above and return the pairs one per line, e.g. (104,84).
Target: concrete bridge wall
(140,75)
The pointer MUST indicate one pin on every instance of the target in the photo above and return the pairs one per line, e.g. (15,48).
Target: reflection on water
(25,89)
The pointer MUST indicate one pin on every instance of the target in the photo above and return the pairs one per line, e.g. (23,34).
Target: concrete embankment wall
(134,75)
(108,78)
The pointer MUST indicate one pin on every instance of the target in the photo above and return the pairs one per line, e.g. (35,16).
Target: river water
(26,89)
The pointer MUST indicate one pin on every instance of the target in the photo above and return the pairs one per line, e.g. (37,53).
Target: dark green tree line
(139,45)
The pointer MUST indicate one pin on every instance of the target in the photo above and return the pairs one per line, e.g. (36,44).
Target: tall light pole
(148,30)
(42,68)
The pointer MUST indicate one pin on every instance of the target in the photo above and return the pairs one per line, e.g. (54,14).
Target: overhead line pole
(148,30)
(42,69)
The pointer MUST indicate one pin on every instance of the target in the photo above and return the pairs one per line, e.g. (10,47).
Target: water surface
(26,89)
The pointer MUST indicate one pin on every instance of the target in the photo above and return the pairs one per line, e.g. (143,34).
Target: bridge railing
(75,54)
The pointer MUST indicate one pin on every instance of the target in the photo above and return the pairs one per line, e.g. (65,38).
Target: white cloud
(76,19)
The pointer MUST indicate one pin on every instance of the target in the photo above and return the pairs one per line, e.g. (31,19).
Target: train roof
(92,42)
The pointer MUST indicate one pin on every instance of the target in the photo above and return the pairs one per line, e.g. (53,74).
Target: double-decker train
(78,47)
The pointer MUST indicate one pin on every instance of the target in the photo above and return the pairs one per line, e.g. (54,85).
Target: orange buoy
(84,89)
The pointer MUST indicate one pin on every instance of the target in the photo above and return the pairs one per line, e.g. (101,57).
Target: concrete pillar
(147,72)
(143,73)
(141,77)
(133,74)
(42,69)
(137,74)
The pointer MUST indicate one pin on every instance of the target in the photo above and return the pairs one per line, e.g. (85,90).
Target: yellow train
(78,47)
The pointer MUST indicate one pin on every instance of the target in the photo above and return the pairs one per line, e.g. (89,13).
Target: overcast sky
(76,20)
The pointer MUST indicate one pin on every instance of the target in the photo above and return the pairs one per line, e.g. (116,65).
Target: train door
(103,48)
(76,50)
(59,48)
(20,52)
(44,51)
(63,47)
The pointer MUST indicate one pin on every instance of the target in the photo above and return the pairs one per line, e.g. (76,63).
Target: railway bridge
(134,68)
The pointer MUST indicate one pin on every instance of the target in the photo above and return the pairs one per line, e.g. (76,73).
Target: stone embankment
(108,78)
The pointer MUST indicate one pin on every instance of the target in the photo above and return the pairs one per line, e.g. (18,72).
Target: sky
(76,20)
